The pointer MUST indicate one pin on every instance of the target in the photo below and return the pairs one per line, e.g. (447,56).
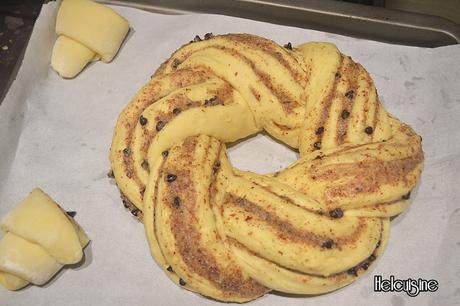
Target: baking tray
(349,19)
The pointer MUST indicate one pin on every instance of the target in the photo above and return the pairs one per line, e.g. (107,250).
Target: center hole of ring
(260,154)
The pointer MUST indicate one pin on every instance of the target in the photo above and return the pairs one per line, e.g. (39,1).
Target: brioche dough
(231,235)
(86,31)
(40,238)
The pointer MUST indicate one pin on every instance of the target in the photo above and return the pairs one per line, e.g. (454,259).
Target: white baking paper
(56,134)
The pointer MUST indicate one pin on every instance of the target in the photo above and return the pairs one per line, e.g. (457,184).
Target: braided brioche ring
(233,235)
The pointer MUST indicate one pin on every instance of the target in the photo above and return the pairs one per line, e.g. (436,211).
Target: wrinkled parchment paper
(56,133)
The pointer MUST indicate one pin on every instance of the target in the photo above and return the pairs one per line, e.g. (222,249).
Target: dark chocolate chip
(176,202)
(171,178)
(125,203)
(110,174)
(365,266)
(350,94)
(145,165)
(175,63)
(406,196)
(288,46)
(208,36)
(328,244)
(352,271)
(165,153)
(378,244)
(319,157)
(211,101)
(170,269)
(160,125)
(71,213)
(215,167)
(338,75)
(369,130)
(143,120)
(182,282)
(317,145)
(197,38)
(176,111)
(319,130)
(336,213)
(345,114)
(135,212)
(126,152)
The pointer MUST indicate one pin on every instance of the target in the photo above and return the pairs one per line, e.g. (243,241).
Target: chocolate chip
(135,212)
(288,46)
(176,202)
(182,282)
(328,244)
(176,111)
(170,269)
(319,130)
(110,174)
(142,191)
(143,120)
(350,94)
(197,38)
(125,203)
(175,63)
(337,75)
(336,213)
(126,152)
(208,36)
(372,257)
(317,145)
(165,153)
(215,167)
(352,271)
(345,114)
(145,165)
(160,125)
(365,266)
(369,130)
(378,244)
(319,157)
(71,213)
(171,178)
(211,102)
(406,196)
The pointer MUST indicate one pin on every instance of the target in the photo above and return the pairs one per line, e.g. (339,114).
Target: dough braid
(233,235)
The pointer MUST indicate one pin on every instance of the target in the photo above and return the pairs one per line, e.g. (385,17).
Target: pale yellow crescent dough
(231,235)
(40,238)
(87,31)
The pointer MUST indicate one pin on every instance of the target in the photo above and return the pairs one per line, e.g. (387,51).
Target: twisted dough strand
(234,235)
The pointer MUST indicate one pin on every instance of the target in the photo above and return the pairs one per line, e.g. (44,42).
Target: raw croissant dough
(87,31)
(40,238)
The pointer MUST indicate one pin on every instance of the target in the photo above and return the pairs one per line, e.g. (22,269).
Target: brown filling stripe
(188,237)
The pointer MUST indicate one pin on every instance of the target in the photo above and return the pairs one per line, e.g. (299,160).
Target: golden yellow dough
(232,235)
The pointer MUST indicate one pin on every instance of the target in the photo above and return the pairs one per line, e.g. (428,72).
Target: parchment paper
(56,134)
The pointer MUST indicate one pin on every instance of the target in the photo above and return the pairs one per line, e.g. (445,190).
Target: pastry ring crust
(233,235)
